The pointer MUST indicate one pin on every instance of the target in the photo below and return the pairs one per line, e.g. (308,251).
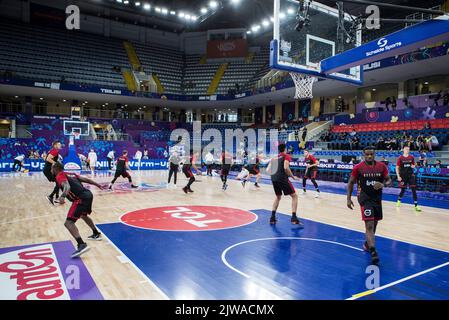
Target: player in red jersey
(254,170)
(226,164)
(81,198)
(279,169)
(121,166)
(371,176)
(187,170)
(52,158)
(311,172)
(406,177)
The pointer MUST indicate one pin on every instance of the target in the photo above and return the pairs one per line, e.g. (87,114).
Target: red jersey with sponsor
(405,165)
(366,175)
(77,190)
(54,153)
(226,158)
(121,163)
(311,160)
(278,165)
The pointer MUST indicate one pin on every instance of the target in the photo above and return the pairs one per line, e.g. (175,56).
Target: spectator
(446,99)
(354,143)
(385,161)
(431,142)
(304,134)
(419,143)
(36,154)
(18,161)
(380,143)
(438,163)
(387,103)
(138,157)
(44,155)
(353,132)
(394,103)
(422,161)
(427,126)
(145,154)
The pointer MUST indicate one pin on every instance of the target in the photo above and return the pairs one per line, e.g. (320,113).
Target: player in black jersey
(279,169)
(187,170)
(81,198)
(226,164)
(121,167)
(52,157)
(406,177)
(371,176)
(254,170)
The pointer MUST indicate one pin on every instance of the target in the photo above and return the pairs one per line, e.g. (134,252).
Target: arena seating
(391,126)
(48,54)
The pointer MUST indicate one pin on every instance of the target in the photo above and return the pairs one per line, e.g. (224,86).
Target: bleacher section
(48,54)
(167,63)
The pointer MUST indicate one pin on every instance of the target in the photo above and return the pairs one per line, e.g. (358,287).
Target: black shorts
(187,171)
(371,211)
(122,173)
(225,169)
(174,167)
(311,174)
(408,181)
(48,174)
(254,170)
(81,207)
(285,187)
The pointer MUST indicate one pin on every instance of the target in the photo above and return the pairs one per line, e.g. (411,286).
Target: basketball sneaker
(398,203)
(134,186)
(417,209)
(256,185)
(317,195)
(243,183)
(295,220)
(185,189)
(374,256)
(50,199)
(110,187)
(95,237)
(273,220)
(190,190)
(82,248)
(303,192)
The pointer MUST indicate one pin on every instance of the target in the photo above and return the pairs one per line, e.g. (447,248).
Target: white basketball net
(303,84)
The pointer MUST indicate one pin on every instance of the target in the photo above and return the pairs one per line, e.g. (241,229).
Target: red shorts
(80,207)
(284,187)
(188,172)
(408,181)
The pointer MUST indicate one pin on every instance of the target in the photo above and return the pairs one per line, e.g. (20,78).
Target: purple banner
(55,275)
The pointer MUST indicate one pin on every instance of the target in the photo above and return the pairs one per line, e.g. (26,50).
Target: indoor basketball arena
(244,150)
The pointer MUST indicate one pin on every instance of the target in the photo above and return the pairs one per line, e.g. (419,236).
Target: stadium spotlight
(126,2)
(290,11)
(194,18)
(119,1)
(235,1)
(137,4)
(248,32)
(173,13)
(147,6)
(255,28)
(187,16)
(213,4)
(157,9)
(164,11)
(203,10)
(181,15)
(281,15)
(265,23)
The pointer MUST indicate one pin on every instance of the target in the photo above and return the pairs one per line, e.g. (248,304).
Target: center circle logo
(188,218)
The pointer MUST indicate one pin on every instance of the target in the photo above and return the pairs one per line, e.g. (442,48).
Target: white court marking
(225,261)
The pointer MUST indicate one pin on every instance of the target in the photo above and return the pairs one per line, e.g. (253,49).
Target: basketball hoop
(304,85)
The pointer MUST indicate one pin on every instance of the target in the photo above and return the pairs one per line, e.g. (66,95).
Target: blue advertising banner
(38,165)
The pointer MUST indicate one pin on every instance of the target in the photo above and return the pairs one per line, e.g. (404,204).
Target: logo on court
(188,218)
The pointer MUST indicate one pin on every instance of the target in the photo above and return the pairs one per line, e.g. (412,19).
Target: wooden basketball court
(27,218)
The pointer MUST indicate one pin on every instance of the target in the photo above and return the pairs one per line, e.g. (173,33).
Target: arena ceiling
(241,14)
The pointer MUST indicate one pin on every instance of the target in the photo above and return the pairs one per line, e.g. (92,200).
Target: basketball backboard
(76,127)
(301,49)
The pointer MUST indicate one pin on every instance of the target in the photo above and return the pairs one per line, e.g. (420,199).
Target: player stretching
(404,170)
(120,170)
(52,158)
(279,169)
(81,198)
(187,170)
(226,163)
(371,176)
(311,172)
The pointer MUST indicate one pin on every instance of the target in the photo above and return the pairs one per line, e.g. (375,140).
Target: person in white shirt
(209,160)
(110,157)
(145,154)
(18,161)
(138,157)
(92,157)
